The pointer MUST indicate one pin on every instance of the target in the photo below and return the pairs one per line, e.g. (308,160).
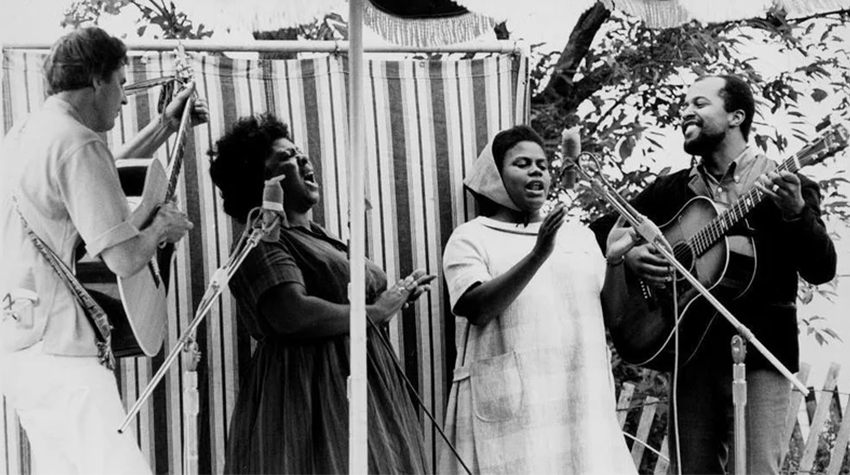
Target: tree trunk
(561,89)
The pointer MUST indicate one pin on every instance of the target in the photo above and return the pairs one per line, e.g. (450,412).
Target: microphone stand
(739,401)
(217,285)
(650,232)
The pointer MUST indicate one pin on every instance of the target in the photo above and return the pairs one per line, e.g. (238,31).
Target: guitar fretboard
(185,75)
(832,141)
(177,161)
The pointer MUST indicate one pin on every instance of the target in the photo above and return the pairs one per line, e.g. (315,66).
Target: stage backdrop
(426,122)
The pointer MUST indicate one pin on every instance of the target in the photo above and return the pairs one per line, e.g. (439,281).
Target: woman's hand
(394,298)
(621,240)
(548,231)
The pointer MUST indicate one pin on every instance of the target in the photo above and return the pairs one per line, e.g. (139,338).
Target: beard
(705,142)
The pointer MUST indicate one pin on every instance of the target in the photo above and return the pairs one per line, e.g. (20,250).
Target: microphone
(570,150)
(272,208)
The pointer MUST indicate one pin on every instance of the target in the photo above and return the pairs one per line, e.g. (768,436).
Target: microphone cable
(412,389)
(258,222)
(675,398)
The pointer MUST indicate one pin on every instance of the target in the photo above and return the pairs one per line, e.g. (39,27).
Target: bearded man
(788,239)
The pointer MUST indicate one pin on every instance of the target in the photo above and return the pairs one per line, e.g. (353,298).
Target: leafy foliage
(625,85)
(173,23)
(328,28)
(626,91)
(624,88)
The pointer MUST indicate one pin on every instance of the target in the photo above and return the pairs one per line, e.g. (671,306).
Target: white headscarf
(486,180)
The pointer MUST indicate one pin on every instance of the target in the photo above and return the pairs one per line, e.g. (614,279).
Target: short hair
(238,162)
(81,56)
(737,95)
(508,138)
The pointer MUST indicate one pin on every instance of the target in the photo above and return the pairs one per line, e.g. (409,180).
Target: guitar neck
(176,160)
(706,237)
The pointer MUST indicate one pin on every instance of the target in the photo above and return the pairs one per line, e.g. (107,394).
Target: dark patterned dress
(291,415)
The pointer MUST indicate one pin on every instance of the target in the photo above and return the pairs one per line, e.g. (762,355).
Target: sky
(38,20)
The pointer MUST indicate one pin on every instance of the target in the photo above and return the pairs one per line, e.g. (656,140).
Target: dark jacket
(784,249)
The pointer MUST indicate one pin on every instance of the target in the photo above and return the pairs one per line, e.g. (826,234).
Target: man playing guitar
(782,237)
(59,176)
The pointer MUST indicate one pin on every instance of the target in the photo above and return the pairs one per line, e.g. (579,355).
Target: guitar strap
(94,312)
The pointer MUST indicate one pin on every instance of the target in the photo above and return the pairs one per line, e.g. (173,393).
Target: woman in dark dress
(291,415)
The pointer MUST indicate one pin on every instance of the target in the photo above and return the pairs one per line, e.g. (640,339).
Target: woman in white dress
(532,388)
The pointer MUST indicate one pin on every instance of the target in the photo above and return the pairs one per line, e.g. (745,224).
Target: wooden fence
(817,429)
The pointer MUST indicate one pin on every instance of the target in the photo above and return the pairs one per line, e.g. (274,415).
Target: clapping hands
(403,292)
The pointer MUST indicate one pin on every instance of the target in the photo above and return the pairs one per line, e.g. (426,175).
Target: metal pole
(739,400)
(294,46)
(357,389)
(191,408)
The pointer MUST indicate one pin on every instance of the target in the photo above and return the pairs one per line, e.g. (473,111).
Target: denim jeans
(706,419)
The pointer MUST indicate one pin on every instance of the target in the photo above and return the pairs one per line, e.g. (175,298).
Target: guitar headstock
(831,141)
(182,65)
(183,74)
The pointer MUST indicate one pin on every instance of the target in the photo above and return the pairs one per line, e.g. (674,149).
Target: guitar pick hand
(172,222)
(649,264)
(641,257)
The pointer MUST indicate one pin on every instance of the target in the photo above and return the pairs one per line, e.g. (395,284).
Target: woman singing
(532,388)
(292,412)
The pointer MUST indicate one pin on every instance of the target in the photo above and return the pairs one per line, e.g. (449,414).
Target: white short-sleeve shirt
(66,184)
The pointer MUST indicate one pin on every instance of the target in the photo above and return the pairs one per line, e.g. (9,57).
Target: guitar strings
(705,237)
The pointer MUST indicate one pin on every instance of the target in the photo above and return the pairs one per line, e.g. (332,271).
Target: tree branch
(587,86)
(574,52)
(844,11)
(604,115)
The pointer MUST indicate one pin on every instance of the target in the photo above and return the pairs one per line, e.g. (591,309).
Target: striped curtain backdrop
(426,122)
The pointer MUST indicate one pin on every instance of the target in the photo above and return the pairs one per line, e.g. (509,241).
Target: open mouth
(310,178)
(690,126)
(535,186)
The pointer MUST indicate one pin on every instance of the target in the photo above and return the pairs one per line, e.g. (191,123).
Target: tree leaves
(626,93)
(173,23)
(819,94)
(627,146)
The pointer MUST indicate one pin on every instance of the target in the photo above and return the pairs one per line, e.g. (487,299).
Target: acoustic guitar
(137,305)
(642,320)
